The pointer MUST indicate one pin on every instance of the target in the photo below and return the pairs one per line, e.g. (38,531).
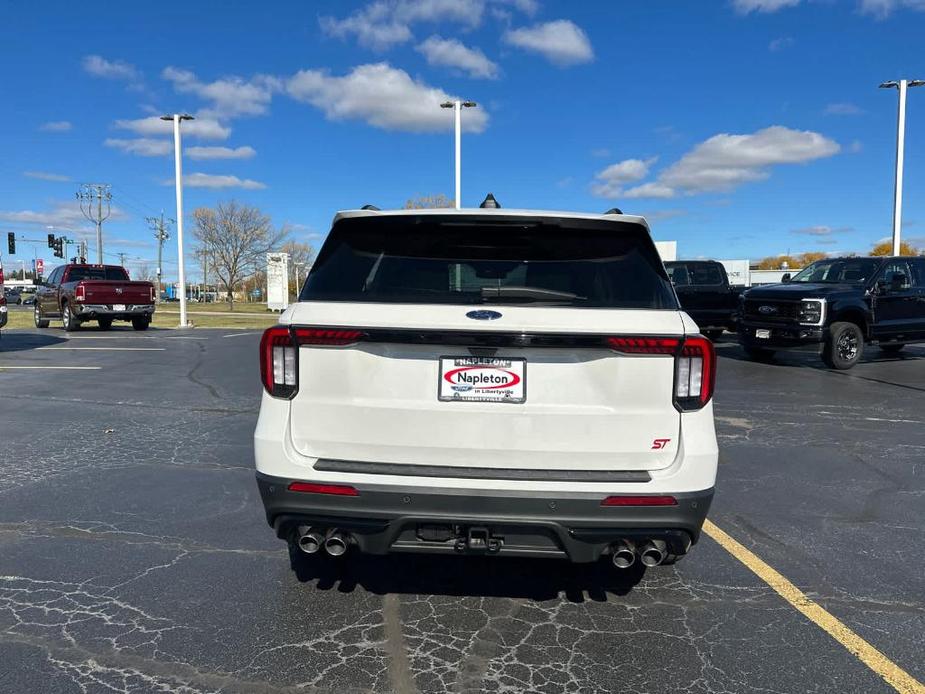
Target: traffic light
(11,242)
(59,247)
(51,240)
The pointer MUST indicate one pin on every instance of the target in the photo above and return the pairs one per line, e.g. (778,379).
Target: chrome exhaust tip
(336,544)
(653,552)
(309,539)
(623,555)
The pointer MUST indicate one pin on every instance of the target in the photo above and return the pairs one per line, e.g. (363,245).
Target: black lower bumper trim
(575,526)
(365,468)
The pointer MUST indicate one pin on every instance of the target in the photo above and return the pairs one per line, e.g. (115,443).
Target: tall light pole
(457,107)
(901,85)
(178,173)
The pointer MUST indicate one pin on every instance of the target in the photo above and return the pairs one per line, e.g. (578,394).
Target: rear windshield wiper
(529,293)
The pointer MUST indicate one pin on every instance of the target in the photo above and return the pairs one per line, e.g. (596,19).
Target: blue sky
(741,128)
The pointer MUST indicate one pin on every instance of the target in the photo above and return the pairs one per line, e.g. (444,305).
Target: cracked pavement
(134,556)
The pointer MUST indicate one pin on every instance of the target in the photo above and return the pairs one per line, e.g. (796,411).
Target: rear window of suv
(553,261)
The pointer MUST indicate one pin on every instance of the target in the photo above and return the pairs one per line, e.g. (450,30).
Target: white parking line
(250,332)
(60,368)
(105,349)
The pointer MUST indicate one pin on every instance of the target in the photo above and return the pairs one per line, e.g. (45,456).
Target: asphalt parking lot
(134,555)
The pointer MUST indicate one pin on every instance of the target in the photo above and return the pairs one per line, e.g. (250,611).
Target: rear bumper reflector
(640,500)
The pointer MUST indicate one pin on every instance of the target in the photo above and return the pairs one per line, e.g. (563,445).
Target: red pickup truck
(104,293)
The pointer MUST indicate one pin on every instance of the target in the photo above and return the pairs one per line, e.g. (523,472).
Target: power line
(87,194)
(160,234)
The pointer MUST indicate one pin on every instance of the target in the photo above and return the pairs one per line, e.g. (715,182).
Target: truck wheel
(714,335)
(40,321)
(892,349)
(141,323)
(105,323)
(844,346)
(759,353)
(70,320)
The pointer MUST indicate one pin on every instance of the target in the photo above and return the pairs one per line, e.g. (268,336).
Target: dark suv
(840,304)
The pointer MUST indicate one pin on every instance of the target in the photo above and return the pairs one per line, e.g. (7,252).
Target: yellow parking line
(894,675)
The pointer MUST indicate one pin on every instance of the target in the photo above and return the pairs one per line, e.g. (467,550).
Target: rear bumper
(389,518)
(130,310)
(783,336)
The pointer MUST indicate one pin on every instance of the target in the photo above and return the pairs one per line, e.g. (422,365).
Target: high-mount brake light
(279,354)
(695,364)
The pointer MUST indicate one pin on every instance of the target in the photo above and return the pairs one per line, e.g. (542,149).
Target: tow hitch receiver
(479,539)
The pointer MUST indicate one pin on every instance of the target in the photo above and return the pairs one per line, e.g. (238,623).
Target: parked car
(13,296)
(487,382)
(77,293)
(838,305)
(705,294)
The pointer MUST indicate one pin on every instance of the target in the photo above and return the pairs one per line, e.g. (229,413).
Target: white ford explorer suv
(487,381)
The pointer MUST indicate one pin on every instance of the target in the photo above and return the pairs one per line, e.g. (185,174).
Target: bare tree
(235,238)
(426,202)
(143,271)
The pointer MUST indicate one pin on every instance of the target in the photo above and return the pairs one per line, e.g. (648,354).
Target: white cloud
(110,69)
(204,128)
(662,215)
(725,162)
(612,179)
(881,9)
(452,53)
(385,23)
(821,230)
(244,152)
(780,44)
(383,96)
(747,6)
(201,180)
(561,42)
(842,109)
(142,146)
(56,126)
(229,96)
(63,215)
(45,176)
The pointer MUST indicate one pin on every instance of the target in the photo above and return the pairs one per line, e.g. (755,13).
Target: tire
(40,320)
(714,334)
(892,349)
(105,323)
(71,324)
(758,353)
(141,323)
(844,346)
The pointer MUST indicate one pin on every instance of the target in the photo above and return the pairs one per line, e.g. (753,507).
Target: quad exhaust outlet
(653,552)
(336,543)
(624,554)
(309,539)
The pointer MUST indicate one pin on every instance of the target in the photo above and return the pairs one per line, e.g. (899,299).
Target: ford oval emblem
(483,315)
(767,310)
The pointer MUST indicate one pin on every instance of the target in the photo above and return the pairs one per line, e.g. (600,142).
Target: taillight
(695,364)
(639,500)
(278,363)
(80,293)
(153,297)
(334,489)
(335,337)
(695,373)
(279,354)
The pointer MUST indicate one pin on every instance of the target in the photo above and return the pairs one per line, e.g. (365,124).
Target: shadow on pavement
(532,579)
(11,341)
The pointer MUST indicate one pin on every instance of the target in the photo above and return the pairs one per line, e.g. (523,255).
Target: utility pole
(99,192)
(901,85)
(121,259)
(457,107)
(160,234)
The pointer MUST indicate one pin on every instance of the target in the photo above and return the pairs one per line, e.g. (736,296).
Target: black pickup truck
(705,294)
(838,304)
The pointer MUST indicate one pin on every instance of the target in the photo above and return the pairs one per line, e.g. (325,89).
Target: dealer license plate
(118,307)
(482,379)
(763,334)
